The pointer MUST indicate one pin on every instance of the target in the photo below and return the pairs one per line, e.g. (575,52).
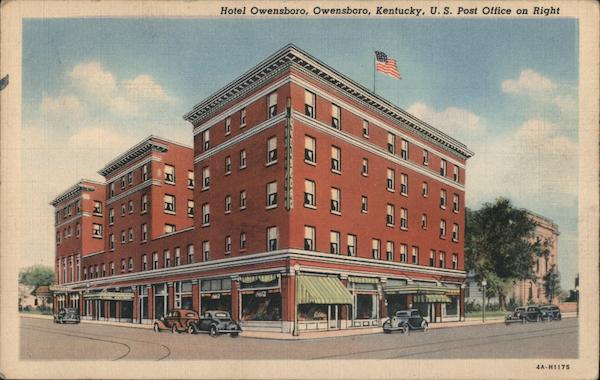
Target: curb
(92,322)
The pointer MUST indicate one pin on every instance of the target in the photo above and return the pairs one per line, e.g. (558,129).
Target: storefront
(183,295)
(143,314)
(364,310)
(320,302)
(116,306)
(215,294)
(435,302)
(161,300)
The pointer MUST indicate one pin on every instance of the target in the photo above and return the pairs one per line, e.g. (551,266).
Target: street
(41,339)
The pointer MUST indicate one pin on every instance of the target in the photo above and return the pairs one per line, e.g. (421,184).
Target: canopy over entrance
(422,289)
(432,298)
(111,296)
(322,290)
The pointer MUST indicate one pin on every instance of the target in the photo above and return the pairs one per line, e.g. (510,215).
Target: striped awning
(420,288)
(363,280)
(322,290)
(111,296)
(58,288)
(261,277)
(431,298)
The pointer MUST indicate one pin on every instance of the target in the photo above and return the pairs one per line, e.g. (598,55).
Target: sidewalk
(104,323)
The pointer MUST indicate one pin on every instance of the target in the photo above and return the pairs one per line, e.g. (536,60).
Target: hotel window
(167,256)
(144,262)
(389,251)
(85,273)
(309,238)
(144,229)
(309,193)
(97,230)
(122,182)
(442,229)
(442,259)
(242,241)
(155,260)
(111,241)
(242,199)
(403,184)
(404,149)
(169,203)
(455,203)
(242,159)
(432,258)
(456,174)
(271,105)
(190,254)
(415,254)
(390,179)
(112,268)
(130,234)
(123,209)
(403,253)
(227,204)
(57,237)
(228,245)
(190,208)
(272,238)
(243,118)
(78,230)
(78,207)
(129,178)
(122,265)
(424,221)
(205,214)
(123,237)
(130,266)
(271,194)
(190,181)
(169,228)
(145,172)
(309,104)
(227,126)
(144,203)
(336,159)
(455,232)
(425,190)
(334,242)
(364,204)
(403,219)
(227,165)
(443,198)
(391,143)
(390,216)
(310,149)
(97,208)
(336,113)
(443,167)
(351,245)
(103,270)
(206,139)
(335,201)
(205,251)
(205,178)
(130,206)
(375,248)
(425,157)
(272,150)
(365,167)
(365,128)
(454,261)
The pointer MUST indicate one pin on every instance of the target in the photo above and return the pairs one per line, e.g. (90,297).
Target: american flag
(386,65)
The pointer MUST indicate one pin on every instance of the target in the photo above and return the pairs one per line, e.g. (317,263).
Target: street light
(296,267)
(461,314)
(577,299)
(483,285)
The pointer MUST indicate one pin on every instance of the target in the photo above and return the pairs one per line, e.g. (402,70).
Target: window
(364,204)
(365,167)
(442,259)
(334,242)
(365,128)
(335,201)
(169,203)
(442,229)
(169,174)
(227,204)
(391,143)
(97,230)
(112,268)
(122,182)
(206,139)
(309,150)
(309,193)
(144,203)
(130,265)
(424,221)
(455,203)
(425,157)
(190,254)
(403,184)
(351,250)
(144,262)
(111,241)
(390,216)
(415,254)
(455,232)
(390,179)
(112,189)
(242,241)
(122,265)
(228,245)
(205,251)
(272,150)
(454,261)
(85,273)
(167,258)
(130,206)
(190,208)
(242,158)
(271,194)
(243,118)
(271,105)
(227,165)
(403,219)
(375,247)
(272,238)
(123,209)
(78,230)
(191,182)
(443,198)
(205,214)
(111,216)
(155,260)
(389,251)
(336,114)
(432,258)
(403,253)
(129,178)
(425,190)
(443,167)
(242,199)
(78,207)
(404,149)
(130,234)
(144,229)
(456,174)
(205,178)
(97,208)
(169,228)
(227,126)
(309,104)
(145,172)
(309,238)
(103,270)
(336,159)
(123,237)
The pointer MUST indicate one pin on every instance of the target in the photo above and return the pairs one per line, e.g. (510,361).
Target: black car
(526,314)
(67,315)
(551,312)
(215,323)
(405,320)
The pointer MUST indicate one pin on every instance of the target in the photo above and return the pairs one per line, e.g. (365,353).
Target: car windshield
(222,315)
(402,314)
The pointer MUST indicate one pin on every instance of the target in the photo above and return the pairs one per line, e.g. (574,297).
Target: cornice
(74,191)
(132,154)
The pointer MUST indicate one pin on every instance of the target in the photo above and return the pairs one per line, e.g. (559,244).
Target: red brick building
(318,205)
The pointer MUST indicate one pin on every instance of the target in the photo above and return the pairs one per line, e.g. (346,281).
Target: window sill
(404,194)
(205,188)
(97,214)
(242,250)
(144,241)
(169,212)
(364,174)
(336,212)
(366,136)
(336,172)
(455,211)
(205,225)
(270,163)
(404,228)
(191,216)
(443,237)
(169,183)
(443,207)
(243,167)
(191,187)
(313,207)
(390,225)
(242,208)
(455,240)
(227,133)
(390,190)
(144,212)
(270,207)
(311,163)
(227,173)
(227,212)
(425,195)
(97,237)
(364,211)
(242,125)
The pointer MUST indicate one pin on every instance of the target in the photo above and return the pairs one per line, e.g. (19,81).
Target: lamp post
(577,299)
(461,313)
(295,331)
(483,285)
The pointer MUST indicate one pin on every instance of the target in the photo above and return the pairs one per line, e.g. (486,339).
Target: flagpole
(374,59)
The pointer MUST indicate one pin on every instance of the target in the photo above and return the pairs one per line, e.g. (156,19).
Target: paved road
(41,339)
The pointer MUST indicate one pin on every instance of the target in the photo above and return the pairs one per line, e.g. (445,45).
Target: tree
(552,283)
(37,275)
(500,245)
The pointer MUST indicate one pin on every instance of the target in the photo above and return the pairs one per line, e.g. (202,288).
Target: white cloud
(66,106)
(100,137)
(528,83)
(566,103)
(120,106)
(93,78)
(144,86)
(456,122)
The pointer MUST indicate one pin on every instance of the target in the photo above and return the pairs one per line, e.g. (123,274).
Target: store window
(366,306)
(261,305)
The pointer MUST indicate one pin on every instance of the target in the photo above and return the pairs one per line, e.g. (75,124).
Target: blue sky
(507,88)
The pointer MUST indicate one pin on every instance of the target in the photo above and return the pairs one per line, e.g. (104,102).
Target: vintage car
(405,320)
(551,312)
(176,320)
(215,323)
(526,314)
(67,315)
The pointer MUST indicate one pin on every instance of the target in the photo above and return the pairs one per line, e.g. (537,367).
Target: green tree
(500,246)
(37,275)
(552,283)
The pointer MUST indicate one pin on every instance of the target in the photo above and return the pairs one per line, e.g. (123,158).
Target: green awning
(428,289)
(261,277)
(363,280)
(431,298)
(110,296)
(322,290)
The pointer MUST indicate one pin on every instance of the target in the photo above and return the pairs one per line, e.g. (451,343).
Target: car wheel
(214,332)
(539,318)
(523,320)
(191,329)
(424,325)
(156,328)
(173,329)
(234,335)
(404,329)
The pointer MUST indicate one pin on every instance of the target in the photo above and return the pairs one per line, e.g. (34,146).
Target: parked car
(215,323)
(526,314)
(405,320)
(551,312)
(516,315)
(67,315)
(176,320)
